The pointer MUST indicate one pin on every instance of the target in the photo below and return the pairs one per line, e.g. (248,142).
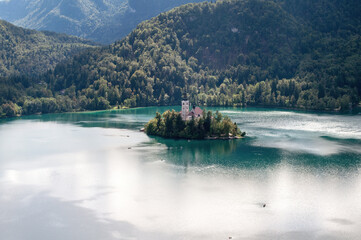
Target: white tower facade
(185,109)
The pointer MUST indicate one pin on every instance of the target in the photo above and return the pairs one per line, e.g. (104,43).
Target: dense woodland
(284,53)
(29,52)
(171,125)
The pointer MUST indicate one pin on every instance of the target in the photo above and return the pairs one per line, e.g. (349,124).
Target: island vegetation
(209,126)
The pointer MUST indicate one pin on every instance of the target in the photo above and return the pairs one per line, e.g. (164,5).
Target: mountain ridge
(103,21)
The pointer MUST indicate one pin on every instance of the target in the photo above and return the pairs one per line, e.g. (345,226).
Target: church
(195,113)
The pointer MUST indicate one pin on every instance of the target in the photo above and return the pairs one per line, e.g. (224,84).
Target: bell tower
(185,109)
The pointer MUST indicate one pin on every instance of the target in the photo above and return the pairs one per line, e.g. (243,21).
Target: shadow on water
(132,119)
(241,153)
(342,162)
(230,153)
(348,141)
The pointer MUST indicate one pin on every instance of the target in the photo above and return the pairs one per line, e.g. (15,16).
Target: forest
(29,52)
(281,53)
(171,125)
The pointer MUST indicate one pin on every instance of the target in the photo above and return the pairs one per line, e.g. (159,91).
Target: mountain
(29,52)
(293,54)
(103,21)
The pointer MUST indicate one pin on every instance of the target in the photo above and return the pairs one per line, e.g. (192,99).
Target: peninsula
(194,124)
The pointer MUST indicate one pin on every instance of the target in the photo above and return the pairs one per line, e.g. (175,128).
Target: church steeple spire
(185,108)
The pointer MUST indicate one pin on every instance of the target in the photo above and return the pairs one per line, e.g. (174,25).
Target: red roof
(197,112)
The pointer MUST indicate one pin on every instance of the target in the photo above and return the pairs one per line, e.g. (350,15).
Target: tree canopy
(283,53)
(30,52)
(171,125)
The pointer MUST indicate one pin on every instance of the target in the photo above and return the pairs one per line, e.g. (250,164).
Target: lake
(92,176)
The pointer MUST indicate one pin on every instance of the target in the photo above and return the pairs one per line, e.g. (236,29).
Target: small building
(196,112)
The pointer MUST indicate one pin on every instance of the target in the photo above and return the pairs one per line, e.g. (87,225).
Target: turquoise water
(95,176)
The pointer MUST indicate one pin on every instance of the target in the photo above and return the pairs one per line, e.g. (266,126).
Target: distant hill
(29,52)
(249,52)
(294,54)
(103,21)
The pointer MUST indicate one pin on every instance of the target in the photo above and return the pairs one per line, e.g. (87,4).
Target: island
(194,124)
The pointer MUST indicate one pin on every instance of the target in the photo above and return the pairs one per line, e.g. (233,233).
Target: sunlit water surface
(92,176)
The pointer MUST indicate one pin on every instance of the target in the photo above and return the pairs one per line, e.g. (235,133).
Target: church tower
(185,109)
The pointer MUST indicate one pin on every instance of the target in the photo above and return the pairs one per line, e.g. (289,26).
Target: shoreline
(354,111)
(200,139)
(222,138)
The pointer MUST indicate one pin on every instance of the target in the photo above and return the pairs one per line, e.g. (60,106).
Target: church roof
(197,111)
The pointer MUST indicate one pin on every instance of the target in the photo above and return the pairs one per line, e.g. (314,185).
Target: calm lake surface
(94,176)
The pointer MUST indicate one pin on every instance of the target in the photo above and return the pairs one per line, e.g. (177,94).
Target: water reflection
(246,154)
(95,176)
(231,153)
(122,119)
(59,220)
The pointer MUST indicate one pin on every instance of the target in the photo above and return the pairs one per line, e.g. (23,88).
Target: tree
(10,109)
(171,125)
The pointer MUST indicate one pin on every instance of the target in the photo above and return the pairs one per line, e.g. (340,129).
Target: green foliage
(171,125)
(10,109)
(24,51)
(227,53)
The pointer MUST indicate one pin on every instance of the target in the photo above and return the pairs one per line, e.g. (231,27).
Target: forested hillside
(295,54)
(29,52)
